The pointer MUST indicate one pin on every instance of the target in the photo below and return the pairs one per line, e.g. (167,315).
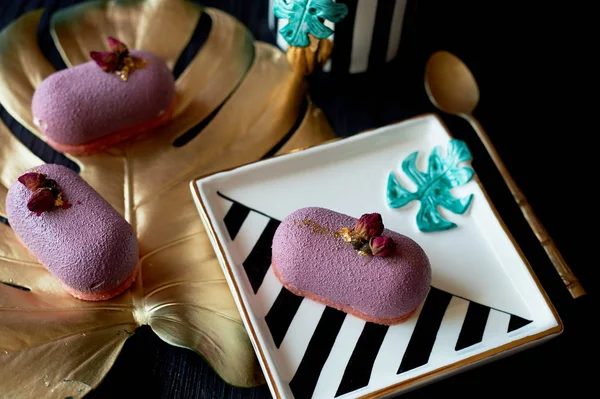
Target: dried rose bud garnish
(46,193)
(365,236)
(107,61)
(369,225)
(41,201)
(33,180)
(382,246)
(117,60)
(117,46)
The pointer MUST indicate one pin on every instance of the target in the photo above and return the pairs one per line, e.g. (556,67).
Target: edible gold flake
(346,234)
(315,227)
(130,64)
(58,202)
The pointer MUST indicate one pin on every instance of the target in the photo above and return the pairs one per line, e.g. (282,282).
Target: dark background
(533,66)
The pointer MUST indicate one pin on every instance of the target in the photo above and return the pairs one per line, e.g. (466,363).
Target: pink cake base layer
(345,309)
(103,296)
(96,296)
(113,138)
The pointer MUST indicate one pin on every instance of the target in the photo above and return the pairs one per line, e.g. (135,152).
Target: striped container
(367,38)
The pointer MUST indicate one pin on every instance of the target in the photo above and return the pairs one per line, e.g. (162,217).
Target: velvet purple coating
(83,103)
(90,247)
(310,257)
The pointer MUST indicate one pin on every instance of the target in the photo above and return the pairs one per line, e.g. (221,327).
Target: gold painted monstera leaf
(238,101)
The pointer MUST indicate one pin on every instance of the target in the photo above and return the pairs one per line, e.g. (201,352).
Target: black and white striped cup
(367,38)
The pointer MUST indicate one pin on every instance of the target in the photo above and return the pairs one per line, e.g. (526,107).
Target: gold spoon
(452,88)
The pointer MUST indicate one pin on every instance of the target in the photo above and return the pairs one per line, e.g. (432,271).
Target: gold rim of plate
(407,383)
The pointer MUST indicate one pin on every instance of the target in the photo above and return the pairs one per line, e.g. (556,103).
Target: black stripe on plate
(197,40)
(344,32)
(35,144)
(305,380)
(471,332)
(252,209)
(44,37)
(234,219)
(425,332)
(281,314)
(381,33)
(19,287)
(4,220)
(194,131)
(259,260)
(517,322)
(290,133)
(359,368)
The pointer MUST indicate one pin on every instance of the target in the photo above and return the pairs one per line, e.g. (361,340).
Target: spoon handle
(564,271)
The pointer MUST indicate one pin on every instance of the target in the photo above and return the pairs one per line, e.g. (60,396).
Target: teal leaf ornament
(307,16)
(433,186)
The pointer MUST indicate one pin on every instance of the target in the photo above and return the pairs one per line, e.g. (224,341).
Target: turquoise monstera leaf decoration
(307,16)
(433,186)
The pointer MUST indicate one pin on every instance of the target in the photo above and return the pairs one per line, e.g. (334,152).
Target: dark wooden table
(530,64)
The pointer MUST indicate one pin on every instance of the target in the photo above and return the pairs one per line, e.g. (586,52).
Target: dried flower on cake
(369,225)
(107,61)
(41,201)
(117,60)
(117,46)
(365,236)
(33,180)
(46,196)
(382,246)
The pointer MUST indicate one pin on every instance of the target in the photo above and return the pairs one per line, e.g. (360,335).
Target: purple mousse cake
(115,96)
(356,266)
(78,236)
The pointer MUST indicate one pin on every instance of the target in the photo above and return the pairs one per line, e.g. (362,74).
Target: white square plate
(485,300)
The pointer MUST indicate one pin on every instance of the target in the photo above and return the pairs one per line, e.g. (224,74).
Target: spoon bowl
(450,84)
(452,88)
